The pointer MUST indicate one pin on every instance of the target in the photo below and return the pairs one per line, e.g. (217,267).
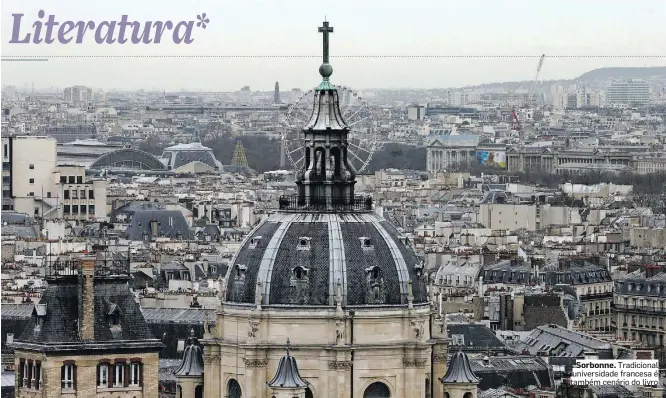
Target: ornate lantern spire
(326,182)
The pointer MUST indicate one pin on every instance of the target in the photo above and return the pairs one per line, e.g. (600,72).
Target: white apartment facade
(29,163)
(628,93)
(81,199)
(34,184)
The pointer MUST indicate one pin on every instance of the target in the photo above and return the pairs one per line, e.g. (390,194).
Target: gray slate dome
(325,246)
(299,258)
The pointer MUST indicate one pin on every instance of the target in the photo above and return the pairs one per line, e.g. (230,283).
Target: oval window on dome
(303,243)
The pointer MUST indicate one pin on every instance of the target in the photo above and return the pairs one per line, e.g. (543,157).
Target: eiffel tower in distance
(239,158)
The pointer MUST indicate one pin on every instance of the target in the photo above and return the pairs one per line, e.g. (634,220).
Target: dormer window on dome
(366,243)
(418,267)
(240,271)
(239,274)
(254,242)
(303,243)
(300,273)
(375,293)
(299,285)
(113,315)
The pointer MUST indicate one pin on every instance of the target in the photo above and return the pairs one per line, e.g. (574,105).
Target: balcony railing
(593,296)
(326,204)
(103,268)
(641,308)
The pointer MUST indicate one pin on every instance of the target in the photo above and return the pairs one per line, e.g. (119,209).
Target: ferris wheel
(363,139)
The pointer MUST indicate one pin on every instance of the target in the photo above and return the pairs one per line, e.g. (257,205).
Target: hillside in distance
(649,72)
(600,74)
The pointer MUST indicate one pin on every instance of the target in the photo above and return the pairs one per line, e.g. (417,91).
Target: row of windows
(119,375)
(74,209)
(646,338)
(69,194)
(649,321)
(79,194)
(71,180)
(108,375)
(30,374)
(654,304)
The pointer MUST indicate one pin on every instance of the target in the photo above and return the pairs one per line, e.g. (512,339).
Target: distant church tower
(239,158)
(276,95)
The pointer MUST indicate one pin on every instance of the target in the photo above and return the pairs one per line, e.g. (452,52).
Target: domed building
(180,155)
(331,282)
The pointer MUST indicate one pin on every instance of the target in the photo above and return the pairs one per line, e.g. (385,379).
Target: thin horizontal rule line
(11,57)
(25,59)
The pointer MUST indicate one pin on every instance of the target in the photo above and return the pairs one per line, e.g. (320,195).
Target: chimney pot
(87,298)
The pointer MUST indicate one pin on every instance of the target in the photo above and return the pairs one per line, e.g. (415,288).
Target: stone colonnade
(441,158)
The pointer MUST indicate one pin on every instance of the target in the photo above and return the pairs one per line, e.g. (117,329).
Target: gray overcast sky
(362,27)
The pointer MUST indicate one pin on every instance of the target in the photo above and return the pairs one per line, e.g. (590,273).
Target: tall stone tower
(276,94)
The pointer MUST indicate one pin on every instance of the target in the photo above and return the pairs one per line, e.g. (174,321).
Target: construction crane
(516,124)
(530,97)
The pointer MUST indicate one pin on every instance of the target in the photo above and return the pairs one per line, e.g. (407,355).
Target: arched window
(308,393)
(320,159)
(234,389)
(335,154)
(377,390)
(198,391)
(468,395)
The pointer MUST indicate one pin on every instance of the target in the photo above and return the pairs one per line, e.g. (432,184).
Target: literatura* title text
(49,30)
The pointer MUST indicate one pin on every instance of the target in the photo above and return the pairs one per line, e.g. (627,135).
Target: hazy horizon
(289,28)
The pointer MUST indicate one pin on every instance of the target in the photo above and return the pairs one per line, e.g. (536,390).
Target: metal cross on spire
(325,30)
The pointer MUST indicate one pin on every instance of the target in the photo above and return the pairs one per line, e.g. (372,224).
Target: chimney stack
(153,228)
(87,299)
